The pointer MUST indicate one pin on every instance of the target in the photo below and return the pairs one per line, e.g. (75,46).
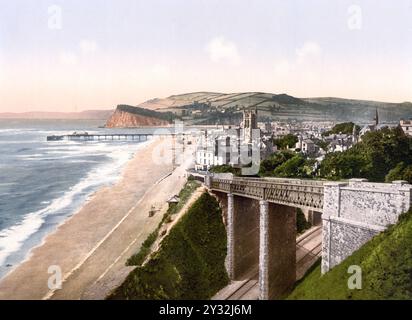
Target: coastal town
(184,164)
(202,159)
(222,146)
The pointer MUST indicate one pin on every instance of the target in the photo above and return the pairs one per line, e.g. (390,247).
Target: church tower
(249,123)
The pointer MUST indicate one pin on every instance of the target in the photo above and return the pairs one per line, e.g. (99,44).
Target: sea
(42,183)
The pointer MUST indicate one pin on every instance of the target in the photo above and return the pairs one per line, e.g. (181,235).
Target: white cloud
(88,46)
(68,58)
(221,49)
(305,56)
(308,50)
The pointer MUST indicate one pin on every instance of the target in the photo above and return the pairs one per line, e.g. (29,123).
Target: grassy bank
(190,262)
(386,264)
(184,195)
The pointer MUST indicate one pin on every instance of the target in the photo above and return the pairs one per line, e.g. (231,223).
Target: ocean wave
(33,156)
(13,238)
(16,131)
(69,151)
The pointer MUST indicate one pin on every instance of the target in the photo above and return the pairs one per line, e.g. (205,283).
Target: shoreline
(88,198)
(114,214)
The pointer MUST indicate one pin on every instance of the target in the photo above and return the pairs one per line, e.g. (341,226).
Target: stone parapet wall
(355,211)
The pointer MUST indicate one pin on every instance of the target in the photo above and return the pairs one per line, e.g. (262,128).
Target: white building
(217,148)
(306,146)
(406,126)
(229,147)
(205,159)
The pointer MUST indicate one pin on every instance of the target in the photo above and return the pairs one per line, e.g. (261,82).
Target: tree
(345,128)
(384,149)
(296,167)
(373,158)
(321,144)
(345,165)
(400,172)
(268,166)
(288,140)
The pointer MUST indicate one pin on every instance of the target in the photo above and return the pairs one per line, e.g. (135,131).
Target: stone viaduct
(260,217)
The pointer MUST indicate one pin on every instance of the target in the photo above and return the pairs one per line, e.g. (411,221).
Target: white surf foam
(13,238)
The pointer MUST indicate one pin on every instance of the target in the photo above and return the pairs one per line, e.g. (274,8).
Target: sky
(73,55)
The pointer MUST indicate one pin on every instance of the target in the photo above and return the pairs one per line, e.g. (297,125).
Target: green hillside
(386,263)
(190,263)
(212,107)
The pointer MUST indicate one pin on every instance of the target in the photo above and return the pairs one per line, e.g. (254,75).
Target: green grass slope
(190,262)
(386,263)
(184,196)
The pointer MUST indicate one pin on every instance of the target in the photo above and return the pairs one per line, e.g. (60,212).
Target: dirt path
(165,230)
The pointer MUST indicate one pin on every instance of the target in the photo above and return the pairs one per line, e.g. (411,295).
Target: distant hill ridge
(276,107)
(226,108)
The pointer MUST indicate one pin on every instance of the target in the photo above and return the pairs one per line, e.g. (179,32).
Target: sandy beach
(92,246)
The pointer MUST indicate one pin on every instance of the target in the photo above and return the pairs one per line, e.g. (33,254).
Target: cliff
(129,117)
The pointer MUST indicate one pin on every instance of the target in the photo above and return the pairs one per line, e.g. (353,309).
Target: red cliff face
(122,119)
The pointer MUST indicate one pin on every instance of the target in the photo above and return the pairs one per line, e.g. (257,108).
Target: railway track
(308,251)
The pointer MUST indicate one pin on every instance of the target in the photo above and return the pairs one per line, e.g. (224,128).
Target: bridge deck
(293,192)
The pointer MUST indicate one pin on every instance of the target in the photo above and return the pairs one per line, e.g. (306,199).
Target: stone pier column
(244,238)
(230,236)
(264,251)
(241,217)
(277,250)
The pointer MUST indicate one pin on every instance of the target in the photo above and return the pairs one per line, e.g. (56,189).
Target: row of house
(233,146)
(224,146)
